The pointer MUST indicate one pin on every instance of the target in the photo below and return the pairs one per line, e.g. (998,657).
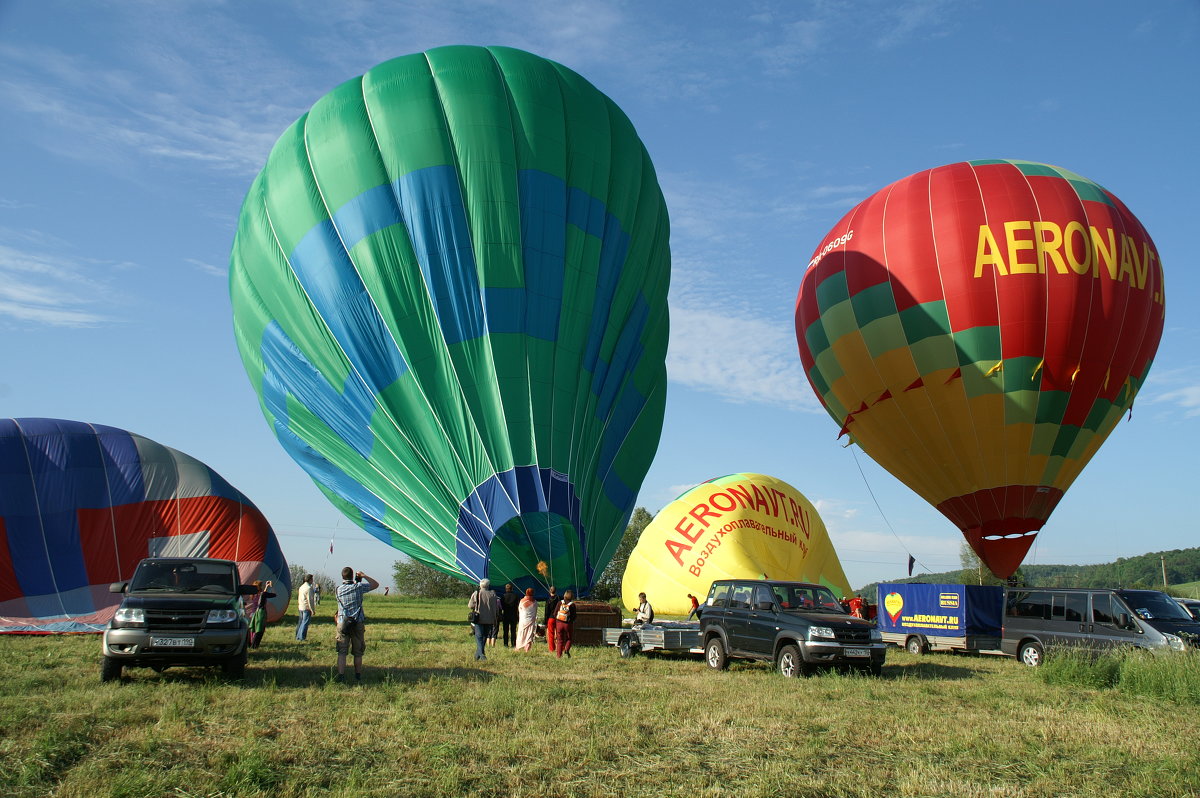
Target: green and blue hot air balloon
(449,288)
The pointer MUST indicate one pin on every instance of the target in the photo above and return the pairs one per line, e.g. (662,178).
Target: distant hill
(1144,570)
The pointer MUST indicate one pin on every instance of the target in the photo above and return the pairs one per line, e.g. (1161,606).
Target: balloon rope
(884,517)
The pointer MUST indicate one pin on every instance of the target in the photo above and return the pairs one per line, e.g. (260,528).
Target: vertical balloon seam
(300,287)
(905,342)
(491,524)
(417,384)
(37,499)
(514,121)
(112,519)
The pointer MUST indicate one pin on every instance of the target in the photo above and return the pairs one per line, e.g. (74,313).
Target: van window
(1103,610)
(1030,604)
(763,594)
(1071,607)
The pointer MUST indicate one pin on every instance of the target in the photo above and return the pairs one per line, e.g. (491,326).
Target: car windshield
(184,577)
(806,597)
(1153,605)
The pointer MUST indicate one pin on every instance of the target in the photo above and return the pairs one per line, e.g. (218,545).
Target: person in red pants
(565,617)
(551,608)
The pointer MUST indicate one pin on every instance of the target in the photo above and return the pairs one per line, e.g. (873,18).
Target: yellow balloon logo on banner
(893,603)
(742,526)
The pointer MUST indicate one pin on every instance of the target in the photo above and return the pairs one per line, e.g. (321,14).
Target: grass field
(431,721)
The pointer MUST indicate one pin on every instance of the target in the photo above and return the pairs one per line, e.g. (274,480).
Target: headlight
(222,616)
(130,615)
(876,636)
(1174,641)
(820,631)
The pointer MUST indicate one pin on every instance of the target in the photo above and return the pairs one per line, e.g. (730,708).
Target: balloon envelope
(449,292)
(82,504)
(741,526)
(979,329)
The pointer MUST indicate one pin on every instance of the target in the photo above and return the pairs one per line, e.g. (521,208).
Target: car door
(1107,632)
(762,621)
(737,616)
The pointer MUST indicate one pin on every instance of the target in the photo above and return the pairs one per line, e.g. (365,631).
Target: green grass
(430,721)
(1191,589)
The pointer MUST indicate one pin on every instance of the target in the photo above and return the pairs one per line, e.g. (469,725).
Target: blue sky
(130,131)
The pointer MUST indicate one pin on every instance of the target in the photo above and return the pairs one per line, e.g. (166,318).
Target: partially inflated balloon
(742,526)
(979,329)
(449,291)
(82,504)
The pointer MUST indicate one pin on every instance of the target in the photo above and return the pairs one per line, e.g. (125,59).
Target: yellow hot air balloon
(741,526)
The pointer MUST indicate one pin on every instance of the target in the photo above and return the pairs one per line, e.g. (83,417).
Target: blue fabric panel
(588,215)
(531,497)
(122,467)
(368,213)
(505,310)
(544,248)
(610,378)
(337,292)
(286,370)
(948,610)
(329,475)
(434,213)
(619,425)
(620,494)
(985,610)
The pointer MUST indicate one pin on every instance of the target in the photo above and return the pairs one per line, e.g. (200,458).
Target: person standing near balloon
(551,608)
(485,605)
(564,620)
(527,610)
(508,614)
(351,621)
(256,609)
(304,606)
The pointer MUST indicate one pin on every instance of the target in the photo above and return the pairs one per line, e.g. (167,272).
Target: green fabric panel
(1090,192)
(977,384)
(1063,441)
(874,303)
(987,162)
(1020,407)
(934,354)
(1100,411)
(831,291)
(978,344)
(829,366)
(1019,374)
(839,321)
(925,320)
(1053,467)
(1043,438)
(407,116)
(1082,441)
(1052,405)
(816,339)
(1031,169)
(820,386)
(346,163)
(292,200)
(884,335)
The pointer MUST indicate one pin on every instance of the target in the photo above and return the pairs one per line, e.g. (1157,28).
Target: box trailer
(922,618)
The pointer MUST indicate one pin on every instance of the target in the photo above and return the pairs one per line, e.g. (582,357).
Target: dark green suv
(796,625)
(178,611)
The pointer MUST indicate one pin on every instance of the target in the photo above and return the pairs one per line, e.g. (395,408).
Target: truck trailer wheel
(1031,654)
(627,646)
(916,646)
(714,654)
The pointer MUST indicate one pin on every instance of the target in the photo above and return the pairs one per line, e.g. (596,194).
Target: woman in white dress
(527,621)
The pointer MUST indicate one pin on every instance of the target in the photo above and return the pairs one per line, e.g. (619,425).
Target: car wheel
(110,669)
(627,646)
(1031,654)
(714,654)
(789,663)
(235,668)
(874,669)
(916,646)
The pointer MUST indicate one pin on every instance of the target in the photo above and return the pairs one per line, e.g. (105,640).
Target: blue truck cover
(941,610)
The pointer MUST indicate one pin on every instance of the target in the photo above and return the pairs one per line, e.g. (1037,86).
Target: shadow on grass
(304,677)
(929,671)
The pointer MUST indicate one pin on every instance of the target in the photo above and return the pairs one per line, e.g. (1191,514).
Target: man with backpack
(351,620)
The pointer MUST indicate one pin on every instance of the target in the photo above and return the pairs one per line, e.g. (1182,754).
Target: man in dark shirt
(508,614)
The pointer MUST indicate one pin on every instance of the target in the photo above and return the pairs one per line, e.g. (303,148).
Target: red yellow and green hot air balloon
(979,329)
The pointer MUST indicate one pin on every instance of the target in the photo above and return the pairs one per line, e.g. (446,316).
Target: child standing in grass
(564,618)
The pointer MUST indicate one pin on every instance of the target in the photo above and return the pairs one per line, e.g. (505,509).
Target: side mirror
(765,606)
(247,590)
(1125,622)
(117,587)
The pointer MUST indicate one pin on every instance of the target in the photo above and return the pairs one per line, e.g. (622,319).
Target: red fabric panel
(236,532)
(907,243)
(957,213)
(9,588)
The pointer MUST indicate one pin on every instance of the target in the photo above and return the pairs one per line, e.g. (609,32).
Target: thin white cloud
(1186,398)
(48,289)
(208,268)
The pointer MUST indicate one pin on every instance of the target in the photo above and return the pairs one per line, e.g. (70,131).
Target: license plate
(858,652)
(173,642)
